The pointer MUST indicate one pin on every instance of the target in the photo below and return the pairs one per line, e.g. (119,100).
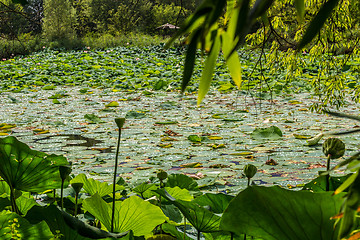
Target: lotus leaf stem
(61,194)
(327,175)
(14,207)
(76,203)
(114,180)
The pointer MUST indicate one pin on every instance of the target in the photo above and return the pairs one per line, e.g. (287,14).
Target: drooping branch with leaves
(319,29)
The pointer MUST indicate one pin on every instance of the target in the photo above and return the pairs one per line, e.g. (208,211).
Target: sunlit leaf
(132,214)
(92,186)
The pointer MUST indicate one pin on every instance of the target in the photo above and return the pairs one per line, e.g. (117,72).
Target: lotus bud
(162,175)
(120,122)
(334,148)
(250,170)
(64,172)
(77,187)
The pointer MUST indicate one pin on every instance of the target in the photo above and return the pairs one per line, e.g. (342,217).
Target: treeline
(64,21)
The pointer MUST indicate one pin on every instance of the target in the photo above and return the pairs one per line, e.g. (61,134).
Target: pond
(80,125)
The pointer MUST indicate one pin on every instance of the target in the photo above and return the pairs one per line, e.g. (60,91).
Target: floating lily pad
(112,104)
(272,133)
(135,115)
(166,123)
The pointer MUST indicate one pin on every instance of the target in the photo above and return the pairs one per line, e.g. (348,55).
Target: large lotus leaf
(70,227)
(12,226)
(274,213)
(132,214)
(272,133)
(217,203)
(181,181)
(92,186)
(202,219)
(26,169)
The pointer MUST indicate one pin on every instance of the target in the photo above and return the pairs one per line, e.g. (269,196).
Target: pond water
(156,131)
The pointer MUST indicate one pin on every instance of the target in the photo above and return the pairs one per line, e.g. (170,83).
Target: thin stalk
(248,184)
(61,194)
(54,191)
(14,208)
(184,229)
(76,203)
(328,175)
(114,181)
(198,235)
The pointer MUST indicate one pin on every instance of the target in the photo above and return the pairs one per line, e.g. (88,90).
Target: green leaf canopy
(26,169)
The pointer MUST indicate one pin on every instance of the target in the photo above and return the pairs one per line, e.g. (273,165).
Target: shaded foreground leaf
(29,170)
(23,228)
(319,184)
(217,203)
(275,213)
(70,227)
(202,219)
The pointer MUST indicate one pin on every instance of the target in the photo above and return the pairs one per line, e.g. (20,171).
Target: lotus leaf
(272,132)
(132,214)
(29,170)
(202,219)
(70,227)
(23,228)
(92,186)
(276,213)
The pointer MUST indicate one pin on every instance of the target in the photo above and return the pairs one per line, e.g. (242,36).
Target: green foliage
(26,169)
(12,226)
(272,132)
(266,212)
(58,20)
(276,213)
(65,225)
(143,219)
(202,219)
(128,15)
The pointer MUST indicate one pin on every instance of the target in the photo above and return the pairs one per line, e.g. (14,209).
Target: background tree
(58,20)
